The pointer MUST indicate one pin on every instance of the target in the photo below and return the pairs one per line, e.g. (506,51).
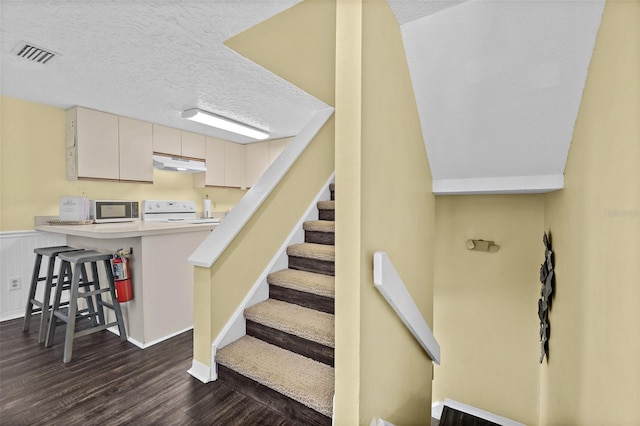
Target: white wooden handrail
(390,285)
(218,240)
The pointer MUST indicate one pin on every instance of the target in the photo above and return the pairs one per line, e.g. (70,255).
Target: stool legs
(114,301)
(32,294)
(74,266)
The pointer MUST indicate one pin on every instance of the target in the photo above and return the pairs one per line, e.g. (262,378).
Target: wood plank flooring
(113,383)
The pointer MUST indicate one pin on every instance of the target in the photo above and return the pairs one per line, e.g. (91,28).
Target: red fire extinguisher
(122,276)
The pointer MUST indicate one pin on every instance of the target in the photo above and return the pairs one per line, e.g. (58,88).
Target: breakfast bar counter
(126,229)
(162,304)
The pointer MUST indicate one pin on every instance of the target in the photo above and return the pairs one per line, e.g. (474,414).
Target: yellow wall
(485,303)
(226,283)
(385,201)
(33,170)
(293,44)
(593,375)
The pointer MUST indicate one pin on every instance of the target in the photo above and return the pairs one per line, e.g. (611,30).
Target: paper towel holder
(482,245)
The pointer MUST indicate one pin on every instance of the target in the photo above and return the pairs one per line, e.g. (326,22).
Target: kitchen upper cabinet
(167,140)
(108,147)
(193,145)
(256,161)
(178,143)
(259,156)
(92,145)
(234,164)
(214,161)
(136,150)
(276,147)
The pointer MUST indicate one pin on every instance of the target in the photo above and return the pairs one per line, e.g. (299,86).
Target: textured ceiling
(150,60)
(497,83)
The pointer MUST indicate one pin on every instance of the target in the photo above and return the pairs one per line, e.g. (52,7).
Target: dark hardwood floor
(112,383)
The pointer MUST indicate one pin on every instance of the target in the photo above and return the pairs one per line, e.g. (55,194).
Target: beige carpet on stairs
(313,251)
(308,282)
(326,205)
(293,319)
(302,379)
(319,225)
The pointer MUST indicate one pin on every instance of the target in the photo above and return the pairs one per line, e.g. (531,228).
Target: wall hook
(482,245)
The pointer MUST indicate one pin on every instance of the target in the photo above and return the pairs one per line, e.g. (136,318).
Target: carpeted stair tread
(326,205)
(313,251)
(319,226)
(308,282)
(302,379)
(303,322)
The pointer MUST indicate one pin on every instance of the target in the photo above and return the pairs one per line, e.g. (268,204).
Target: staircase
(286,358)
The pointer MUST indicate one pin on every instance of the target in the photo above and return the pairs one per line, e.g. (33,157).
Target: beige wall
(384,202)
(593,375)
(295,45)
(33,170)
(485,314)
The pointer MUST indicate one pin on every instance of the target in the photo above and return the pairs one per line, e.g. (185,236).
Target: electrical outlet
(15,283)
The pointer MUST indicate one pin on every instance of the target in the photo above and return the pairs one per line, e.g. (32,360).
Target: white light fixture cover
(223,123)
(177,164)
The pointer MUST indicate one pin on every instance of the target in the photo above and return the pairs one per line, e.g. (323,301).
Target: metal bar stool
(73,264)
(50,280)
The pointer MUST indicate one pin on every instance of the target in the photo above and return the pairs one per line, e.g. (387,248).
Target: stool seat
(74,265)
(50,280)
(85,256)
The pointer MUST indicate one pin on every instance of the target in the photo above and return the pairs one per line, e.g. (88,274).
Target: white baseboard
(141,345)
(200,371)
(437,407)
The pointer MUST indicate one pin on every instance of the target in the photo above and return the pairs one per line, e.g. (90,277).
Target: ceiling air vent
(33,53)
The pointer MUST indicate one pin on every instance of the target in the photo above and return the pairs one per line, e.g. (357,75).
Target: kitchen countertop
(125,229)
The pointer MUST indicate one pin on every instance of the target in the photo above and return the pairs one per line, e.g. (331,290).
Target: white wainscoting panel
(16,260)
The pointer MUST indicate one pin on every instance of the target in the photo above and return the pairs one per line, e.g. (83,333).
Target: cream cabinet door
(234,164)
(193,145)
(276,147)
(97,140)
(256,161)
(167,140)
(136,150)
(215,162)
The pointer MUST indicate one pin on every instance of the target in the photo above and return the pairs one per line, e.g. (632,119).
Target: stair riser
(304,347)
(317,237)
(326,215)
(301,298)
(297,412)
(312,265)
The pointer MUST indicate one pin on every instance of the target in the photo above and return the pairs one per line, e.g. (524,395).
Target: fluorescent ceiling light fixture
(223,123)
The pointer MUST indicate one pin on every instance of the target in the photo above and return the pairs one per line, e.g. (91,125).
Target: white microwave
(108,211)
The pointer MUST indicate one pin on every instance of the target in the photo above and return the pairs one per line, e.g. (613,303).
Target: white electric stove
(172,211)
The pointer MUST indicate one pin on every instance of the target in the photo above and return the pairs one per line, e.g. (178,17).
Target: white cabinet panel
(276,147)
(136,150)
(167,140)
(193,145)
(234,166)
(97,144)
(256,161)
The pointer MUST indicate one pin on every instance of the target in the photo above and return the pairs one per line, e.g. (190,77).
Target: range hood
(177,164)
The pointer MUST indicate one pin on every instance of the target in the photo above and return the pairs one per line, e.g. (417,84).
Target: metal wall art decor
(547,278)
